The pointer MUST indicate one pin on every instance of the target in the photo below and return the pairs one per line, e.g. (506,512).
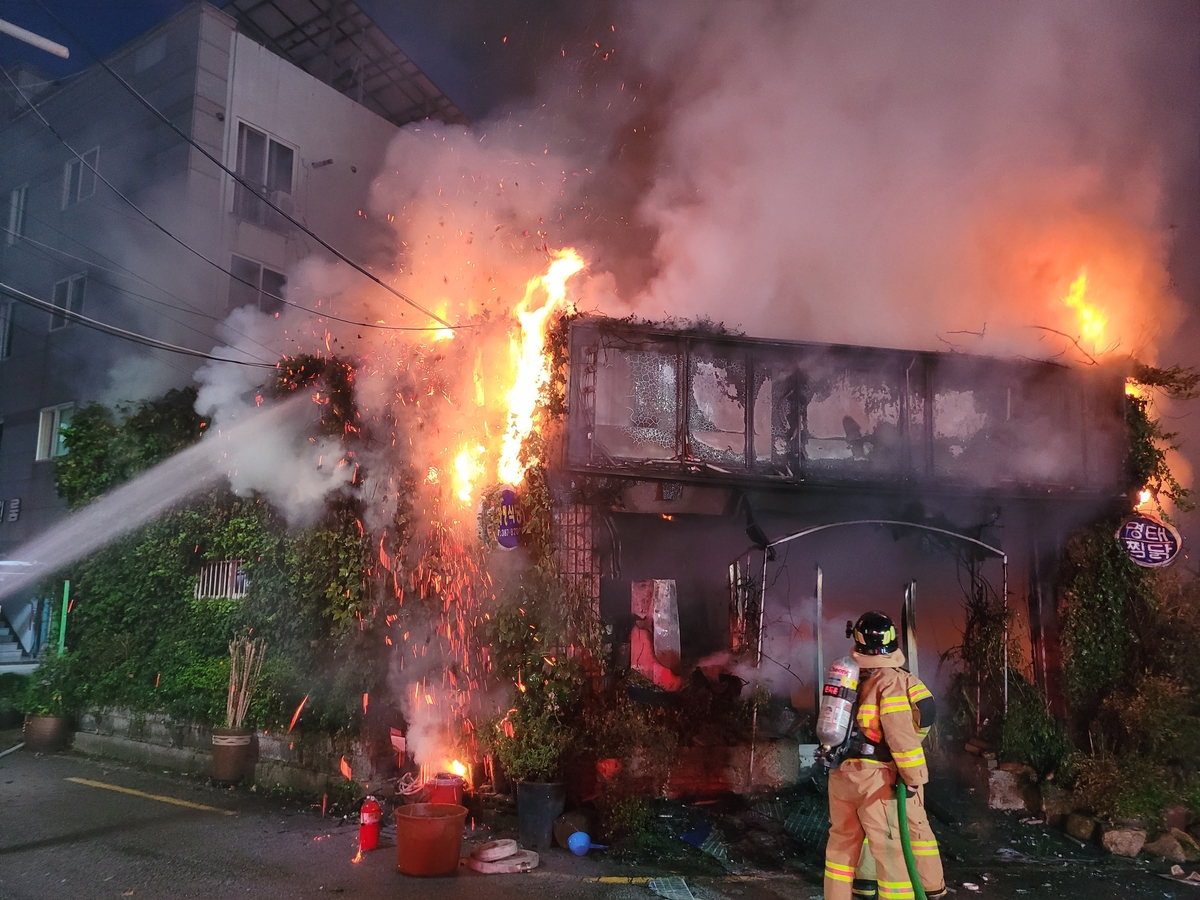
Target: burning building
(691,453)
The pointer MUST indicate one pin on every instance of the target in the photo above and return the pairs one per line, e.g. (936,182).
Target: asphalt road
(64,838)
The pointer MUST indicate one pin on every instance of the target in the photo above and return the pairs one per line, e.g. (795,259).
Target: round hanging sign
(1149,541)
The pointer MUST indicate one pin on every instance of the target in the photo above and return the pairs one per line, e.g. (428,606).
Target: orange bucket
(429,838)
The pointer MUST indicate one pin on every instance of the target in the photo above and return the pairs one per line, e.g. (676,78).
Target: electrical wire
(47,248)
(238,178)
(213,263)
(56,310)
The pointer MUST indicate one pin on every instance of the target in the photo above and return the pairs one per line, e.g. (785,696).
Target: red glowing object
(368,824)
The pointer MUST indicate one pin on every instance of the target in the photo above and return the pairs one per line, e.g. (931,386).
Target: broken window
(637,404)
(853,419)
(717,412)
(1003,424)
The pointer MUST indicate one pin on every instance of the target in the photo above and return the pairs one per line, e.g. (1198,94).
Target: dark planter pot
(47,734)
(230,754)
(538,805)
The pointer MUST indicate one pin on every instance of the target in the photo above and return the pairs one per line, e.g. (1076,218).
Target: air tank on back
(837,703)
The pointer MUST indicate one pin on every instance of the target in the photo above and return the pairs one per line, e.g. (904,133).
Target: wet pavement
(73,826)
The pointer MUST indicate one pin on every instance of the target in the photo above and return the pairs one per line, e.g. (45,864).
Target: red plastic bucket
(429,838)
(447,788)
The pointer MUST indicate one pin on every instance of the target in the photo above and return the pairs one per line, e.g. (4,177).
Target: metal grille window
(579,562)
(223,579)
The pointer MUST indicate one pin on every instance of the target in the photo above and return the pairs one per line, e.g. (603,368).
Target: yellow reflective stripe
(872,762)
(892,706)
(925,851)
(899,698)
(918,692)
(917,843)
(838,872)
(909,759)
(902,890)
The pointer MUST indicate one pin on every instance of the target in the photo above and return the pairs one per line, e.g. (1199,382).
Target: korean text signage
(509,532)
(1149,541)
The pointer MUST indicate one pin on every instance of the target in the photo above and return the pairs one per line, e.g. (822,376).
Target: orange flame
(468,467)
(365,698)
(1092,319)
(458,769)
(532,367)
(345,767)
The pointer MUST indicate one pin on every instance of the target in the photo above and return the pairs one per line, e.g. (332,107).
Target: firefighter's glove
(912,791)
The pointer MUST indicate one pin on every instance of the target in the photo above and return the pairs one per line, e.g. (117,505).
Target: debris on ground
(1176,874)
(501,857)
(671,888)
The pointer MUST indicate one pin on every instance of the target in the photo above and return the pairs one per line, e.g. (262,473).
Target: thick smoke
(925,175)
(900,174)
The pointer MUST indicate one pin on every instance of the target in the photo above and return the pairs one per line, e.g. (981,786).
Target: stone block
(1124,841)
(1081,827)
(1011,787)
(1175,817)
(1191,849)
(1057,803)
(1166,847)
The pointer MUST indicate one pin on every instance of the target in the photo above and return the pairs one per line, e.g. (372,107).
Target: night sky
(459,44)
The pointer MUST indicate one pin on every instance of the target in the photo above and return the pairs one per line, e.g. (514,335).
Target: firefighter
(884,746)
(921,840)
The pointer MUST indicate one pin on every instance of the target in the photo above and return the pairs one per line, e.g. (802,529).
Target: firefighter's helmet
(875,634)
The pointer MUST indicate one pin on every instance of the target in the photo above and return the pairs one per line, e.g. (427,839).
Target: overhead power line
(55,310)
(238,178)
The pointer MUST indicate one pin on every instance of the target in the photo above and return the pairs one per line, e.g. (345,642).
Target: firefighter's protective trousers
(862,803)
(924,848)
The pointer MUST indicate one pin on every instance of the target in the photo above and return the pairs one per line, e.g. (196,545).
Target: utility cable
(238,178)
(56,310)
(213,263)
(46,249)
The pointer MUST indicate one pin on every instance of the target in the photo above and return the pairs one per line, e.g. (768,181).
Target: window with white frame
(223,579)
(68,295)
(16,214)
(252,284)
(267,166)
(6,328)
(79,177)
(51,422)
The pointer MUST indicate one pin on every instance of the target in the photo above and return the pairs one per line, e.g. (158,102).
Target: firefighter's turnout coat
(862,789)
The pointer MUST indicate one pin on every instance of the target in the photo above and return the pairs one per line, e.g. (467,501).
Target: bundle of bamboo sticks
(245,666)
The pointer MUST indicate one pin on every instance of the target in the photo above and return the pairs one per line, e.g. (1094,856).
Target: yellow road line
(159,797)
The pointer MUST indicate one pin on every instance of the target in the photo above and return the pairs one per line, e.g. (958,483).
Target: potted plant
(231,744)
(532,745)
(47,704)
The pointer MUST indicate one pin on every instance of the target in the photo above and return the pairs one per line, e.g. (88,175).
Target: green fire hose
(909,861)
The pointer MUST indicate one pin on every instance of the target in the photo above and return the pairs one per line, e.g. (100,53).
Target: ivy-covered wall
(138,636)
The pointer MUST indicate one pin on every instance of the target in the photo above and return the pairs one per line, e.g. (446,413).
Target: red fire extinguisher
(368,824)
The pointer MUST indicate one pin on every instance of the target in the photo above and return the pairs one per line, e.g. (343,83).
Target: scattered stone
(1124,841)
(992,762)
(1189,844)
(1081,827)
(1166,847)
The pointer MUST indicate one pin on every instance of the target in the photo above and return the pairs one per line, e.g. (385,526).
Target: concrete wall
(307,763)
